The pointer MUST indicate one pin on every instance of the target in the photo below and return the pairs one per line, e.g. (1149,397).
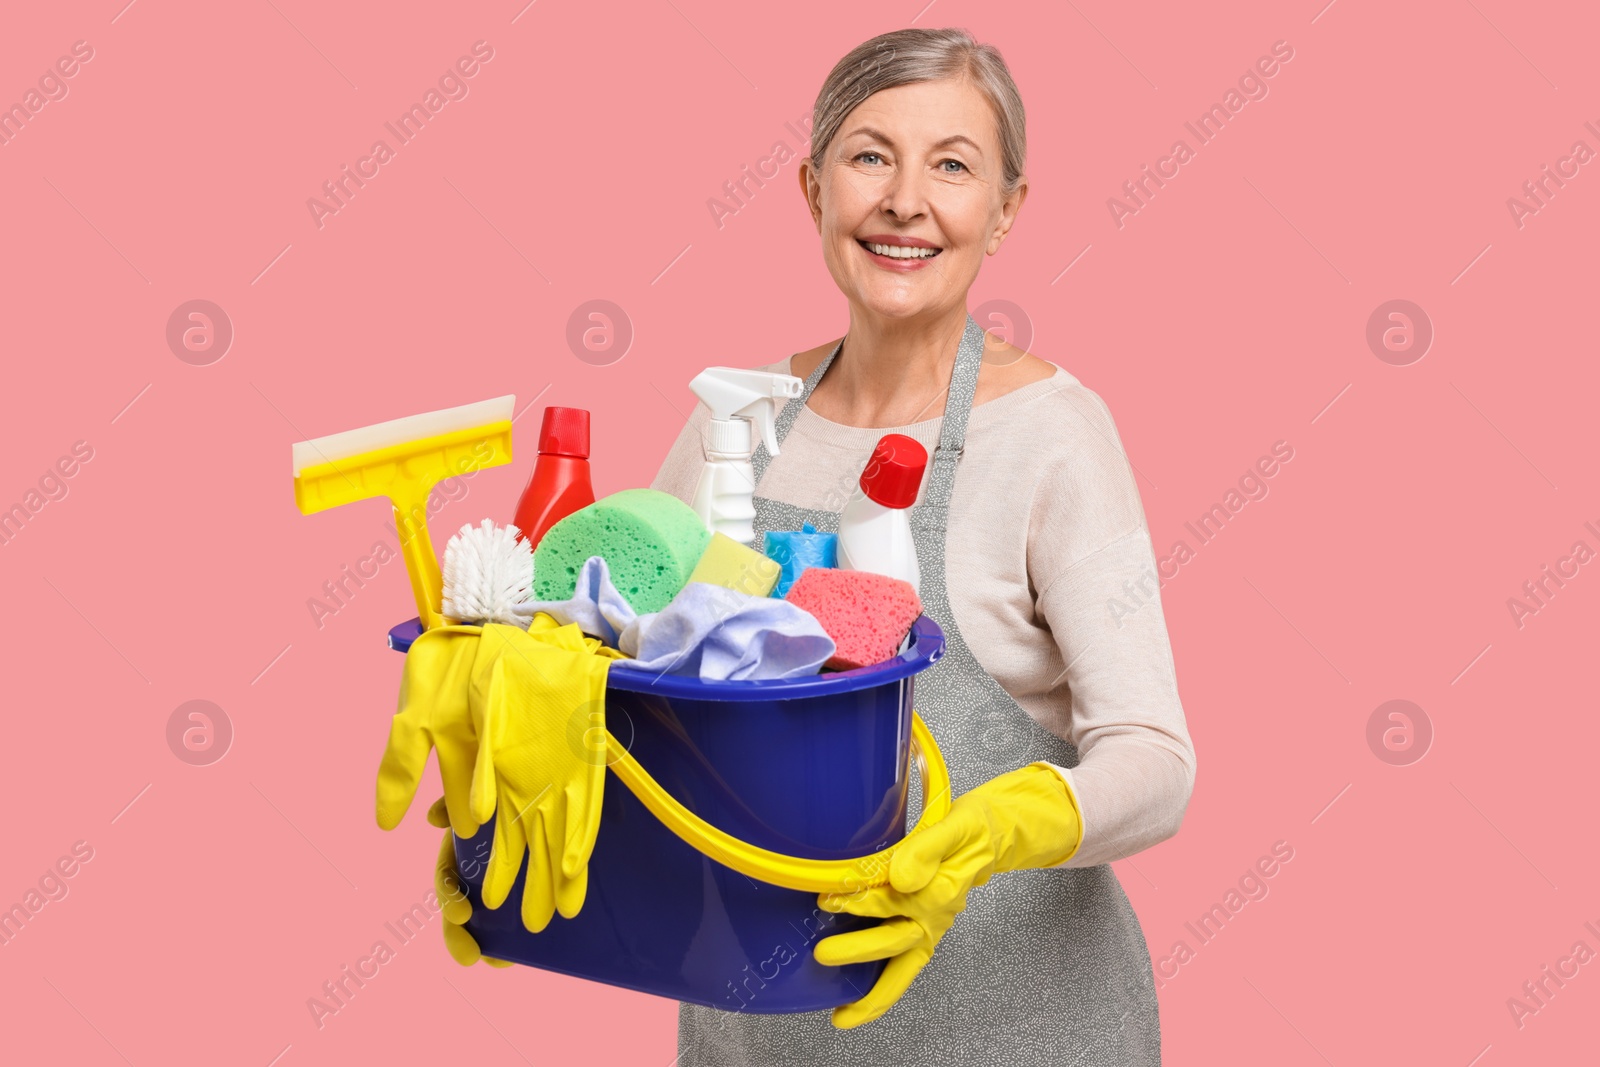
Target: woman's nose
(905,196)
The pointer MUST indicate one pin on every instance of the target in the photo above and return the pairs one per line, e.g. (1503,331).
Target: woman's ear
(811,189)
(1008,215)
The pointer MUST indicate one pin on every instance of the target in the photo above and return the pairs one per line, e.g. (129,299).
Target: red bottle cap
(565,432)
(894,472)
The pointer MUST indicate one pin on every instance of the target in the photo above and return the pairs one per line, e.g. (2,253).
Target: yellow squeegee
(403,459)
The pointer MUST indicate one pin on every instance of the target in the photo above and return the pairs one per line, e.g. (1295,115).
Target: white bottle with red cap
(875,528)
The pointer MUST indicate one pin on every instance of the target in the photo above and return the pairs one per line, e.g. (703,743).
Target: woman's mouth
(899,257)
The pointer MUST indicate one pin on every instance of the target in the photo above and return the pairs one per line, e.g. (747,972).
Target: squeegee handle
(416,549)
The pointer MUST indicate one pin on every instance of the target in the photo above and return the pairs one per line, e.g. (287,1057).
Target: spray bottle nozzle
(732,393)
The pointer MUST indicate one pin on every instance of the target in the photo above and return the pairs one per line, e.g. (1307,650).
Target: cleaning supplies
(651,540)
(740,401)
(595,606)
(796,550)
(736,565)
(866,614)
(488,571)
(707,631)
(715,767)
(720,634)
(1026,818)
(541,766)
(402,459)
(874,531)
(560,481)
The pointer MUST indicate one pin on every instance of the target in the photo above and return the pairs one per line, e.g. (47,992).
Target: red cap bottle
(560,483)
(564,432)
(875,527)
(894,473)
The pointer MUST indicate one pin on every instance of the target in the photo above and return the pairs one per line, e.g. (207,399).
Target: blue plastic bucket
(815,767)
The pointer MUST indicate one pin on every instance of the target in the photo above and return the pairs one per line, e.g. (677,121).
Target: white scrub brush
(488,571)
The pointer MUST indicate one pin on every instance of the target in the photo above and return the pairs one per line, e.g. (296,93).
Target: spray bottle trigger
(764,409)
(761,413)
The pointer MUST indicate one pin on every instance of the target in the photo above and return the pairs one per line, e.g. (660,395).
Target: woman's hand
(1024,818)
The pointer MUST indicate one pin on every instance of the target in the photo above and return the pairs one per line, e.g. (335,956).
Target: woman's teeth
(903,251)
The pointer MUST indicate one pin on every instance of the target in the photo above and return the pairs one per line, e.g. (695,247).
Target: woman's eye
(957,162)
(864,155)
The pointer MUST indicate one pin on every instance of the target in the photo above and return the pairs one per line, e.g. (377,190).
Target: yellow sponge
(727,563)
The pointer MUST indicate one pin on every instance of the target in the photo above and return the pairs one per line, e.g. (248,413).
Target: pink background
(1227,314)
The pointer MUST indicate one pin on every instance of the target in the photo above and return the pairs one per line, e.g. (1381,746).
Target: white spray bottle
(740,401)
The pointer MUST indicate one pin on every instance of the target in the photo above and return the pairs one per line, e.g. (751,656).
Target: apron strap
(791,411)
(933,512)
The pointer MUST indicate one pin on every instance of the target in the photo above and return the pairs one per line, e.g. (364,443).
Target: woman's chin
(898,301)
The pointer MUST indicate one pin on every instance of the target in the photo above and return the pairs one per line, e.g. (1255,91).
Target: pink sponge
(866,614)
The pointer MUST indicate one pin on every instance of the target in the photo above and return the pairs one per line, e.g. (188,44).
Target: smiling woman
(1063,731)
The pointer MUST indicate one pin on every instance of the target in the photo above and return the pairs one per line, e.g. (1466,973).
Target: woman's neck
(891,372)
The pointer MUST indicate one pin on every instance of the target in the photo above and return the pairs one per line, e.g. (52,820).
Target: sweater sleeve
(1103,607)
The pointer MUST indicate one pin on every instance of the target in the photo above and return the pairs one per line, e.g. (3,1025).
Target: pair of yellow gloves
(508,710)
(517,719)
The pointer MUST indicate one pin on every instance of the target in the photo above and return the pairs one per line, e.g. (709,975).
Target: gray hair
(906,56)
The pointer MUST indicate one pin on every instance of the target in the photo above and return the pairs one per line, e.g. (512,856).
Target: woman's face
(909,201)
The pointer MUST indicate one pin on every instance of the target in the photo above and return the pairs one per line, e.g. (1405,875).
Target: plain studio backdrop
(1425,869)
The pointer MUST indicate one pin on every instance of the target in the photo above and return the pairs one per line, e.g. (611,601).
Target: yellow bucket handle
(790,872)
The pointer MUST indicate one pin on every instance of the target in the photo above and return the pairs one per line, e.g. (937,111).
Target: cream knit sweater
(1046,534)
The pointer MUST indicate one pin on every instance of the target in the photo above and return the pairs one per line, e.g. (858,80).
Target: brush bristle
(488,571)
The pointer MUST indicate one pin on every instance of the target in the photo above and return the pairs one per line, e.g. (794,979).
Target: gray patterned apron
(1043,966)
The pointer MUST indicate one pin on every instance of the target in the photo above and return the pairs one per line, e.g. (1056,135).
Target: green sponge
(650,541)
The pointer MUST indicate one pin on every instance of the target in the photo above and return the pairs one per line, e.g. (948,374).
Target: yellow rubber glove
(435,714)
(454,906)
(1023,818)
(542,765)
(443,693)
